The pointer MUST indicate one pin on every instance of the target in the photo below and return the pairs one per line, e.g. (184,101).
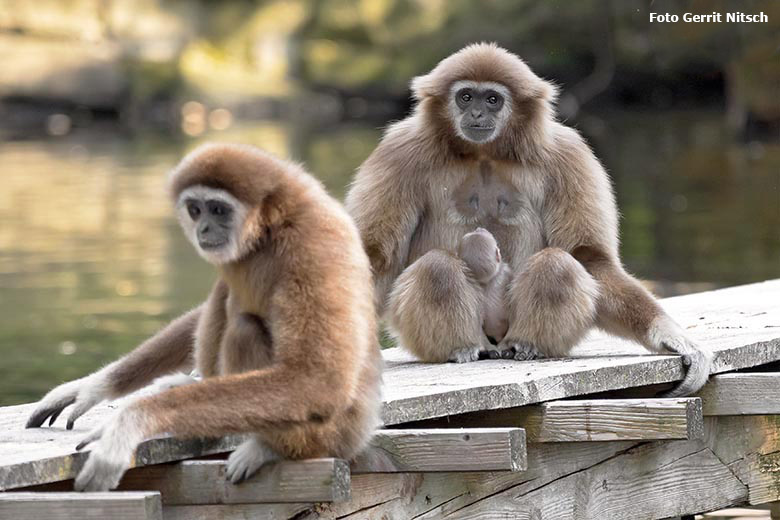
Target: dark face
(479,110)
(213,221)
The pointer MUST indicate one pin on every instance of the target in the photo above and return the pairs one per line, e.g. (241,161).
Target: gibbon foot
(519,350)
(247,459)
(465,354)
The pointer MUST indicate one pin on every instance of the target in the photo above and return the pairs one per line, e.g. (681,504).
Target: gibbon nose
(204,229)
(476,114)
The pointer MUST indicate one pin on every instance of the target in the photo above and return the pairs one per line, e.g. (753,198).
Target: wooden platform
(610,449)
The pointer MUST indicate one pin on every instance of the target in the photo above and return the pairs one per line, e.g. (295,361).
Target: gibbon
(483,149)
(286,342)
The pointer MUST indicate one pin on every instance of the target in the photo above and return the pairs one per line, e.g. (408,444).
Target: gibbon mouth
(478,134)
(210,246)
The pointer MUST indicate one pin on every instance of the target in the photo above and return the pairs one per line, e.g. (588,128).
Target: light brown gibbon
(286,342)
(483,149)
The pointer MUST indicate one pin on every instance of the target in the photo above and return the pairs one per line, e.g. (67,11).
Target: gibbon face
(479,109)
(212,220)
(480,252)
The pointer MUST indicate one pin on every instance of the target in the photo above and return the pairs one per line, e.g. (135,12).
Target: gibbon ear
(423,87)
(546,91)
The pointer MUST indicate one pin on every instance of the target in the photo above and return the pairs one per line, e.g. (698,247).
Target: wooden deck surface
(740,325)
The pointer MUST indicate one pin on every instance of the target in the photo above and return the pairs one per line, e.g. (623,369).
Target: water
(92,260)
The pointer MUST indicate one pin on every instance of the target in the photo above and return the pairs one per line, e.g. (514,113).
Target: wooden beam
(241,512)
(407,495)
(594,420)
(615,419)
(761,475)
(67,506)
(452,449)
(751,393)
(654,480)
(204,482)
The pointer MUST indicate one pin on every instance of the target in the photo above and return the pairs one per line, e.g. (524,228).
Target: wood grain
(594,420)
(750,393)
(455,449)
(70,505)
(204,482)
(656,480)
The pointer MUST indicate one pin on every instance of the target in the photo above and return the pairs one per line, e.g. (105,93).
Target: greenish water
(92,260)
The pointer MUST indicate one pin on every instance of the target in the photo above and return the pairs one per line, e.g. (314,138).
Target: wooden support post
(761,473)
(593,420)
(756,393)
(66,506)
(203,482)
(469,449)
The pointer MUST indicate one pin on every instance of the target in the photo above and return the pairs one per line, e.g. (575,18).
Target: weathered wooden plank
(204,482)
(761,474)
(70,505)
(432,495)
(594,420)
(734,437)
(559,475)
(656,480)
(407,495)
(614,419)
(241,512)
(741,325)
(748,393)
(42,455)
(472,449)
(737,514)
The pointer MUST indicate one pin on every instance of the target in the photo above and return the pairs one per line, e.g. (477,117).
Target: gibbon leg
(551,305)
(435,310)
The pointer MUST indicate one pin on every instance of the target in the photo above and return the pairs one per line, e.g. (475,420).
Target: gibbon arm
(385,203)
(167,351)
(580,217)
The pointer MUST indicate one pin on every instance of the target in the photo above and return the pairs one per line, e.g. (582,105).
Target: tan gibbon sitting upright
(286,342)
(483,149)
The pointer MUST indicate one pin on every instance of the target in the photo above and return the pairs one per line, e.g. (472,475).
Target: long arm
(240,403)
(313,376)
(167,351)
(385,202)
(580,217)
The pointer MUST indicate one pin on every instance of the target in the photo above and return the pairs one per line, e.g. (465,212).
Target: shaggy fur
(481,254)
(287,341)
(537,188)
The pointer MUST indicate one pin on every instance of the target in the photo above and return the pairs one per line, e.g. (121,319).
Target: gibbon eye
(492,100)
(465,97)
(193,210)
(217,208)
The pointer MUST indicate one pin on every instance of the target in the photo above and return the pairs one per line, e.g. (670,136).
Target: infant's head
(480,252)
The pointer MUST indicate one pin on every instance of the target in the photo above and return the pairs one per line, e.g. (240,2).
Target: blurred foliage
(228,51)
